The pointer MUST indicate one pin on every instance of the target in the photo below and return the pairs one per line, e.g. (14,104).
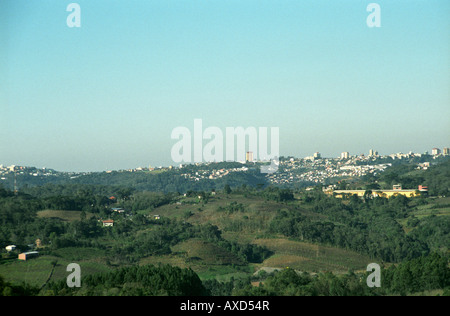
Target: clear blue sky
(108,94)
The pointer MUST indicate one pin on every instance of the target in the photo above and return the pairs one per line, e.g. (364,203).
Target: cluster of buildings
(31,253)
(9,172)
(373,154)
(314,169)
(437,152)
(32,171)
(211,174)
(146,169)
(319,170)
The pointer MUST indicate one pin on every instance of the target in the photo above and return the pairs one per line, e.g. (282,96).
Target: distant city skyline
(435,152)
(107,95)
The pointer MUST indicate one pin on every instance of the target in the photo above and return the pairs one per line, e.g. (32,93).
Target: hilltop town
(310,170)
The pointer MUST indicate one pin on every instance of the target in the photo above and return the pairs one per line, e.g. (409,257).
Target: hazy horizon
(107,95)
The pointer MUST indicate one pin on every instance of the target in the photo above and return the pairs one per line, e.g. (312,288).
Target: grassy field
(36,271)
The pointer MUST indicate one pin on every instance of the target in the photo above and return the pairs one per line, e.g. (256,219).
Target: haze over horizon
(107,95)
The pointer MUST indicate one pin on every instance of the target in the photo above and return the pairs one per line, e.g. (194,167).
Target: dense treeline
(73,189)
(421,274)
(134,281)
(18,220)
(277,194)
(20,224)
(166,180)
(425,273)
(437,177)
(165,233)
(173,181)
(433,230)
(9,289)
(368,226)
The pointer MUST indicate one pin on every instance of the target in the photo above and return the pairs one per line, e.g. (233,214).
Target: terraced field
(310,257)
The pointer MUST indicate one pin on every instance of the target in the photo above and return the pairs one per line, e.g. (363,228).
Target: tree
(227,189)
(124,193)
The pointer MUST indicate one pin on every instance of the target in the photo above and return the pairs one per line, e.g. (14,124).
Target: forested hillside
(228,239)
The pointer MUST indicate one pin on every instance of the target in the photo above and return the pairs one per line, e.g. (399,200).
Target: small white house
(10,248)
(108,223)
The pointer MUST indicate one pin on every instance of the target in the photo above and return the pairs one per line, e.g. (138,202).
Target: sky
(108,94)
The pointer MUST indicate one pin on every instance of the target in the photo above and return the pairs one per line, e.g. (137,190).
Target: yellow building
(375,193)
